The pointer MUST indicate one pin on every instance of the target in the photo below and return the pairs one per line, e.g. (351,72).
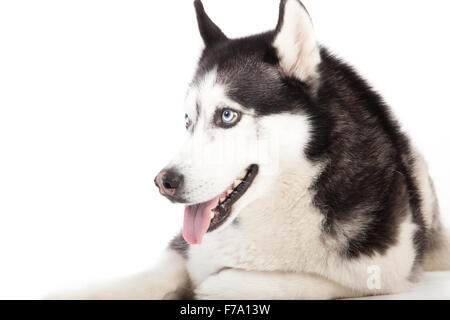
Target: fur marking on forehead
(211,94)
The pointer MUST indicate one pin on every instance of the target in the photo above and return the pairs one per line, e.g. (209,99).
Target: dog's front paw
(221,286)
(211,289)
(119,290)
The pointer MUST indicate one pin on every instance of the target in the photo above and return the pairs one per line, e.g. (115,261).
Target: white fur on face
(213,157)
(296,44)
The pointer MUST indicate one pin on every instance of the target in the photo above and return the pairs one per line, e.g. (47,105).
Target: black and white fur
(346,191)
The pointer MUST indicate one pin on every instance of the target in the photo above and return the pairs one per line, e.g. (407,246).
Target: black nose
(171,180)
(168,181)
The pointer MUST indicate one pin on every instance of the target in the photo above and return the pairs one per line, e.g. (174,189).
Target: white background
(91,97)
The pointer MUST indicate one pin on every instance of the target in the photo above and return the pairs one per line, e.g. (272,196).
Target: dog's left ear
(210,33)
(295,43)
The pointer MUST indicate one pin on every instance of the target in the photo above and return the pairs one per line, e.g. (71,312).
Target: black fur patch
(210,33)
(179,245)
(369,163)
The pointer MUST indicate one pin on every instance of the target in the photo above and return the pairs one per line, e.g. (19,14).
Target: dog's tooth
(243,174)
(212,214)
(222,199)
(236,182)
(229,192)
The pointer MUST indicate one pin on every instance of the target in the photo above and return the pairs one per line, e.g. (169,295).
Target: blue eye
(229,116)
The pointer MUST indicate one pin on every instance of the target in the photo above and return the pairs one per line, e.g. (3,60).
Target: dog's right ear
(210,33)
(296,44)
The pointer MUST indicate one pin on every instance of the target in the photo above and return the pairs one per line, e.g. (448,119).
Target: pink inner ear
(296,43)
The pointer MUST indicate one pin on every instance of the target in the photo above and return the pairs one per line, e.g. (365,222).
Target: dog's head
(246,119)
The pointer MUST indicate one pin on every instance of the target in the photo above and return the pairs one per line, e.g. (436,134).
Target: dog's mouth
(208,216)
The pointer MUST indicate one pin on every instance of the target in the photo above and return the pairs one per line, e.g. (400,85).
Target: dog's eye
(229,116)
(187,120)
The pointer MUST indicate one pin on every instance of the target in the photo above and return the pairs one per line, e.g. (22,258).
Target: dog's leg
(168,280)
(238,284)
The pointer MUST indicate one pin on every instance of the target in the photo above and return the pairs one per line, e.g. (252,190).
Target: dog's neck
(292,186)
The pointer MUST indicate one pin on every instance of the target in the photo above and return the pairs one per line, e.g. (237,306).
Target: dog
(298,182)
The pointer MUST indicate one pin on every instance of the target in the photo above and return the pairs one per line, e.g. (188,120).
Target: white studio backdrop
(91,96)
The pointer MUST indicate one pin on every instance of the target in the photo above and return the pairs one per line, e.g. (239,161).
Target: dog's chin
(210,215)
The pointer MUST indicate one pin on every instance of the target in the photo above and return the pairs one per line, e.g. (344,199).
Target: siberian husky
(297,180)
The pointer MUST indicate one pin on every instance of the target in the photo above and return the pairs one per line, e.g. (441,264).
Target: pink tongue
(197,219)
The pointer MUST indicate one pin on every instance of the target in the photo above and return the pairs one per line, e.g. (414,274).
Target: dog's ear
(210,33)
(295,43)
